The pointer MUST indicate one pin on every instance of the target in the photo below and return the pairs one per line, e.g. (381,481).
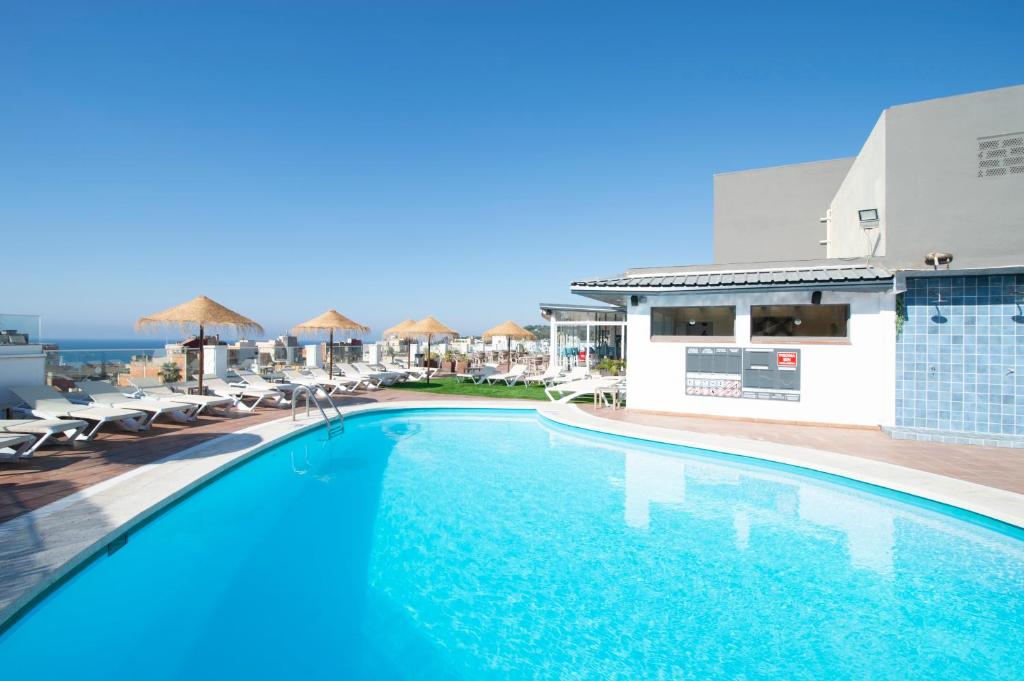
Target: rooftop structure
(884,286)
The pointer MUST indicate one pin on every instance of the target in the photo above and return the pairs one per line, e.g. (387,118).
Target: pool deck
(66,504)
(1002,468)
(57,472)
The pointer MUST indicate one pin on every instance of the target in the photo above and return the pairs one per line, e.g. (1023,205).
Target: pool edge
(1001,505)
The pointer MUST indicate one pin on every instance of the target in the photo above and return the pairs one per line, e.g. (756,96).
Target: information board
(714,372)
(750,373)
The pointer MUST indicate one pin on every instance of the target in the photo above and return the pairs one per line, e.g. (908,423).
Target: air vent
(1000,155)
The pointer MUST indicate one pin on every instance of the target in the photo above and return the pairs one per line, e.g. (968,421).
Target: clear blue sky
(466,159)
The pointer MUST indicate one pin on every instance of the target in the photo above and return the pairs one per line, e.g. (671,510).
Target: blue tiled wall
(959,357)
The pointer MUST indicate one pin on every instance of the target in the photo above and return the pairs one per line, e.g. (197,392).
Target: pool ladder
(333,428)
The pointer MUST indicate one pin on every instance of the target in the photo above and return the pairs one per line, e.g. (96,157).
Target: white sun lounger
(151,387)
(107,395)
(477,374)
(44,430)
(575,374)
(45,402)
(313,384)
(550,375)
(254,380)
(509,377)
(18,444)
(386,377)
(567,392)
(338,381)
(372,379)
(415,373)
(350,373)
(219,386)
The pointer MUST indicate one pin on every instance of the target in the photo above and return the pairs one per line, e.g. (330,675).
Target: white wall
(937,202)
(782,205)
(864,187)
(215,360)
(314,356)
(851,384)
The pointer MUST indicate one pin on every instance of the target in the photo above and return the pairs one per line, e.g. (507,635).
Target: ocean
(78,350)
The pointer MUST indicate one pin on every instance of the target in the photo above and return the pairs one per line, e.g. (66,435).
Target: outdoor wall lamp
(868,215)
(936,258)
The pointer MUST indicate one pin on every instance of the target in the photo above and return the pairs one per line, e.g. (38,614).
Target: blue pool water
(475,544)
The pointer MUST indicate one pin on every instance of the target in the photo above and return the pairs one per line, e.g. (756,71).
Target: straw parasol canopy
(202,312)
(430,327)
(329,321)
(509,330)
(401,330)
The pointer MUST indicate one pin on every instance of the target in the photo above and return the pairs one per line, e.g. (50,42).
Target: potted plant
(611,367)
(170,372)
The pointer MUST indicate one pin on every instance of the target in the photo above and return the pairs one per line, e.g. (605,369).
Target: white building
(827,303)
(792,342)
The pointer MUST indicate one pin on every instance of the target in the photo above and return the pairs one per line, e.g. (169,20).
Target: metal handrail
(310,394)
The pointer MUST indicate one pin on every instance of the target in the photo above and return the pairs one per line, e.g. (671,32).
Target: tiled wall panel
(959,357)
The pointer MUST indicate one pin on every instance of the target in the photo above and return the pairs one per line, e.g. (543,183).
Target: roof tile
(744,278)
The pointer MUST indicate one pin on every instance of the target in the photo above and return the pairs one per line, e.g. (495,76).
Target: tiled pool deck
(1001,468)
(57,472)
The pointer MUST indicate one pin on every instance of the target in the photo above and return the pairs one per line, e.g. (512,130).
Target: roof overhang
(721,280)
(582,308)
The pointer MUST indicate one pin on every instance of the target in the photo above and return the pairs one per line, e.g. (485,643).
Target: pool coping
(43,547)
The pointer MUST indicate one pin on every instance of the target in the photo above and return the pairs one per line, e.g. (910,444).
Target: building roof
(739,276)
(575,307)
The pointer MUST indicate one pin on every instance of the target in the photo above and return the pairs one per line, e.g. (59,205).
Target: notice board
(750,373)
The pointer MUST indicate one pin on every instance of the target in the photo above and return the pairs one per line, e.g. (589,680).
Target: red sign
(583,355)
(786,360)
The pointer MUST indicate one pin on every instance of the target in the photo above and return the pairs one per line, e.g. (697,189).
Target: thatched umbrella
(329,321)
(203,312)
(509,330)
(401,330)
(430,327)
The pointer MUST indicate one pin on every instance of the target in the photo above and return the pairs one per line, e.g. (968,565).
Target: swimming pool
(473,543)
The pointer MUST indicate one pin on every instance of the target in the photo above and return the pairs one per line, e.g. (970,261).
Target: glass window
(587,315)
(808,321)
(718,321)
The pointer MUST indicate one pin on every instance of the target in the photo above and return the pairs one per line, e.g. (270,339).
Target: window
(799,321)
(715,321)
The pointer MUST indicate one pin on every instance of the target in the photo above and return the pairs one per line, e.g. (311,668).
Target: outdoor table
(613,391)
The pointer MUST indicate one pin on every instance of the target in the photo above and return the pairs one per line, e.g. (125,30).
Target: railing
(67,365)
(64,367)
(308,392)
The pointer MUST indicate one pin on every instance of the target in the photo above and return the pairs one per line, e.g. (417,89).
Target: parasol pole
(330,367)
(201,359)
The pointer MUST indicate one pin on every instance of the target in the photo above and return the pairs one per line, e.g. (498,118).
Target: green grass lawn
(449,386)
